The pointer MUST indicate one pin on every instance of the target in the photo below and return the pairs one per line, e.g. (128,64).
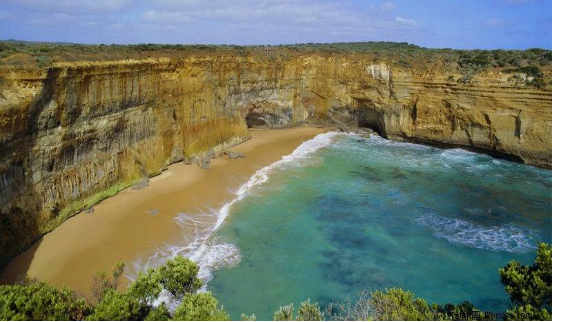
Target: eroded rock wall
(79,132)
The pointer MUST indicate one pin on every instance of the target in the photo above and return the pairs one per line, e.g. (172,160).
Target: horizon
(486,25)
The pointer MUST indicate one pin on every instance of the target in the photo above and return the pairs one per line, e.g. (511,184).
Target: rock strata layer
(79,132)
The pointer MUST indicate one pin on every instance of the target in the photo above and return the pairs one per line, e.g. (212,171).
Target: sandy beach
(135,224)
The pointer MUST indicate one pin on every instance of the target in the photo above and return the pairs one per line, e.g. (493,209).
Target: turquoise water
(372,214)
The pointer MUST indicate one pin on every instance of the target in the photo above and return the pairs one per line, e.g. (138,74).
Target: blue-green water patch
(372,214)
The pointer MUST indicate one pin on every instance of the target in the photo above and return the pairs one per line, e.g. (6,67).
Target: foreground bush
(398,305)
(529,287)
(307,312)
(35,300)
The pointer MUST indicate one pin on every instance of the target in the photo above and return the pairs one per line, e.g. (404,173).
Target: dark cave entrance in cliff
(255,120)
(372,118)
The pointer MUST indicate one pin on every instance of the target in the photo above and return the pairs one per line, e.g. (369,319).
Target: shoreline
(134,224)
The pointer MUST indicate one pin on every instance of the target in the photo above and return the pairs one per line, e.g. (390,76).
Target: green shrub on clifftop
(200,307)
(35,300)
(307,312)
(396,304)
(529,287)
(534,76)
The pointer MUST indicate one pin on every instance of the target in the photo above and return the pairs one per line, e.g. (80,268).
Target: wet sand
(122,227)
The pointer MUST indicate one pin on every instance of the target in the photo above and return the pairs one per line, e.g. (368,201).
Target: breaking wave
(507,238)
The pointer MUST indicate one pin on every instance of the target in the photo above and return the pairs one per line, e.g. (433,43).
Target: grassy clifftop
(42,52)
(534,63)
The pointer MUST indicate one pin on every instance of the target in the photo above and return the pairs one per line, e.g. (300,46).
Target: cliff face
(79,132)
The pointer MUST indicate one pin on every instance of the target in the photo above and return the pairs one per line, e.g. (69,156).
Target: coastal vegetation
(467,62)
(401,50)
(529,289)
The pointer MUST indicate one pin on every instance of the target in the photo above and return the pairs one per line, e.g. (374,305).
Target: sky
(460,24)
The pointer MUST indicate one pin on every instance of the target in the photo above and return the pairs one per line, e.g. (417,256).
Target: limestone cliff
(75,133)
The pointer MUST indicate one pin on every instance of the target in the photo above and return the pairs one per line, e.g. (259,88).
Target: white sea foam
(458,154)
(376,142)
(199,245)
(406,145)
(507,238)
